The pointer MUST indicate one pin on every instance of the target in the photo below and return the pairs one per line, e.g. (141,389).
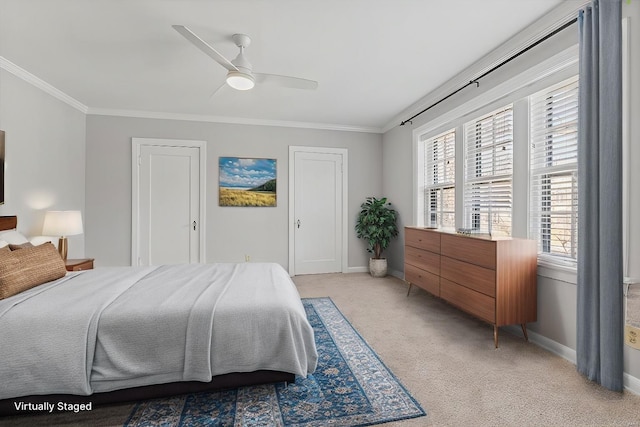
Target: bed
(126,333)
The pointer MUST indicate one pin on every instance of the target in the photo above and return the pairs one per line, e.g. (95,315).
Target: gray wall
(231,232)
(45,156)
(397,185)
(556,298)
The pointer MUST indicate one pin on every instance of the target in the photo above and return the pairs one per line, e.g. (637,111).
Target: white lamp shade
(62,223)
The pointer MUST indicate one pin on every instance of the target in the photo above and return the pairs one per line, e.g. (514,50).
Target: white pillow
(38,240)
(13,237)
(3,243)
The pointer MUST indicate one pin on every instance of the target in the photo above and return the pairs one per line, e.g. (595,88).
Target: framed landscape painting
(247,182)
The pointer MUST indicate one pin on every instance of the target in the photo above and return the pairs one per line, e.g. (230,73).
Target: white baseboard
(555,347)
(394,273)
(631,383)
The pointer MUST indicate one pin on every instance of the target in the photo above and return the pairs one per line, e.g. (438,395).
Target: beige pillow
(20,246)
(29,267)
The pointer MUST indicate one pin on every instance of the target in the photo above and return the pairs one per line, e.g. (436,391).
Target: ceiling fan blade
(286,81)
(217,89)
(205,47)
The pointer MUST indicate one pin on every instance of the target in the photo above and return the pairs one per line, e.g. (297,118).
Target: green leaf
(376,223)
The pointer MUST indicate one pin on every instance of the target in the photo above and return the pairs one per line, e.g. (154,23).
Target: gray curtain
(600,301)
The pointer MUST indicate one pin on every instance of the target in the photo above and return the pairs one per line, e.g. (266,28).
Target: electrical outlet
(632,336)
(247,258)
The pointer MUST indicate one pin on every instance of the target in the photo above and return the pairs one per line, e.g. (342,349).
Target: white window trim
(566,168)
(440,186)
(557,68)
(553,70)
(558,272)
(490,178)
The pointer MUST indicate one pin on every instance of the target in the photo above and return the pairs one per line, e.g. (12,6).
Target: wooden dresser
(493,279)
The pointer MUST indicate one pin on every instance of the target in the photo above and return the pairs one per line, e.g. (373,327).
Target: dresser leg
(524,331)
(409,290)
(495,335)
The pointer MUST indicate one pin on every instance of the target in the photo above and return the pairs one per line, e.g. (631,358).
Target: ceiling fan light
(240,81)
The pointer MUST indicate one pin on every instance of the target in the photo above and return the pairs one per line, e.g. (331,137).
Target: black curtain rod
(511,58)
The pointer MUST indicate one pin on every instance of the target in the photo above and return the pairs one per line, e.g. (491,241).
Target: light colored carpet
(447,361)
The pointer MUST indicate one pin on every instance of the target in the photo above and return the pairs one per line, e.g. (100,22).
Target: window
(515,163)
(439,180)
(489,172)
(554,170)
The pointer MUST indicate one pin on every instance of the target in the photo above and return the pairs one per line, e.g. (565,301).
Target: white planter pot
(378,267)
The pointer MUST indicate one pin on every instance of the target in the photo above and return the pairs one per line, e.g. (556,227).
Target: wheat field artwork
(247,182)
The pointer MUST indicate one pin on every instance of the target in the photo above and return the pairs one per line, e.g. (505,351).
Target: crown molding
(228,120)
(23,74)
(549,22)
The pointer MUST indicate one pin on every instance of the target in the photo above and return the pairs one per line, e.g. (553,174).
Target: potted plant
(377,224)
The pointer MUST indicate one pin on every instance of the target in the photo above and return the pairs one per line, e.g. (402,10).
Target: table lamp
(62,224)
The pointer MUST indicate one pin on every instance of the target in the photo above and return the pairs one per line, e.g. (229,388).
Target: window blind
(488,172)
(439,179)
(554,170)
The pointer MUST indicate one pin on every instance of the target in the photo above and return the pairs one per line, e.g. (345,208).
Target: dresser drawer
(422,239)
(469,275)
(425,260)
(427,281)
(474,303)
(470,249)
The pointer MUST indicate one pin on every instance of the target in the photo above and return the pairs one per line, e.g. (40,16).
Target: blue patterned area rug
(350,387)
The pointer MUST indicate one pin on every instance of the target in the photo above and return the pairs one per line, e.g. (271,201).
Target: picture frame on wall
(247,182)
(1,167)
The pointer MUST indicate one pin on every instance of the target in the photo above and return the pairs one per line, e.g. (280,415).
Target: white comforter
(121,327)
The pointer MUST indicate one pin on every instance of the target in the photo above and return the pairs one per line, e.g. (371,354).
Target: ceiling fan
(240,74)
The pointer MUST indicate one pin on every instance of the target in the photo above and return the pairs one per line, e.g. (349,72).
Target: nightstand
(79,264)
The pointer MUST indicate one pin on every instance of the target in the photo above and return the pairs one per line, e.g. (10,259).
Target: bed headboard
(8,222)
